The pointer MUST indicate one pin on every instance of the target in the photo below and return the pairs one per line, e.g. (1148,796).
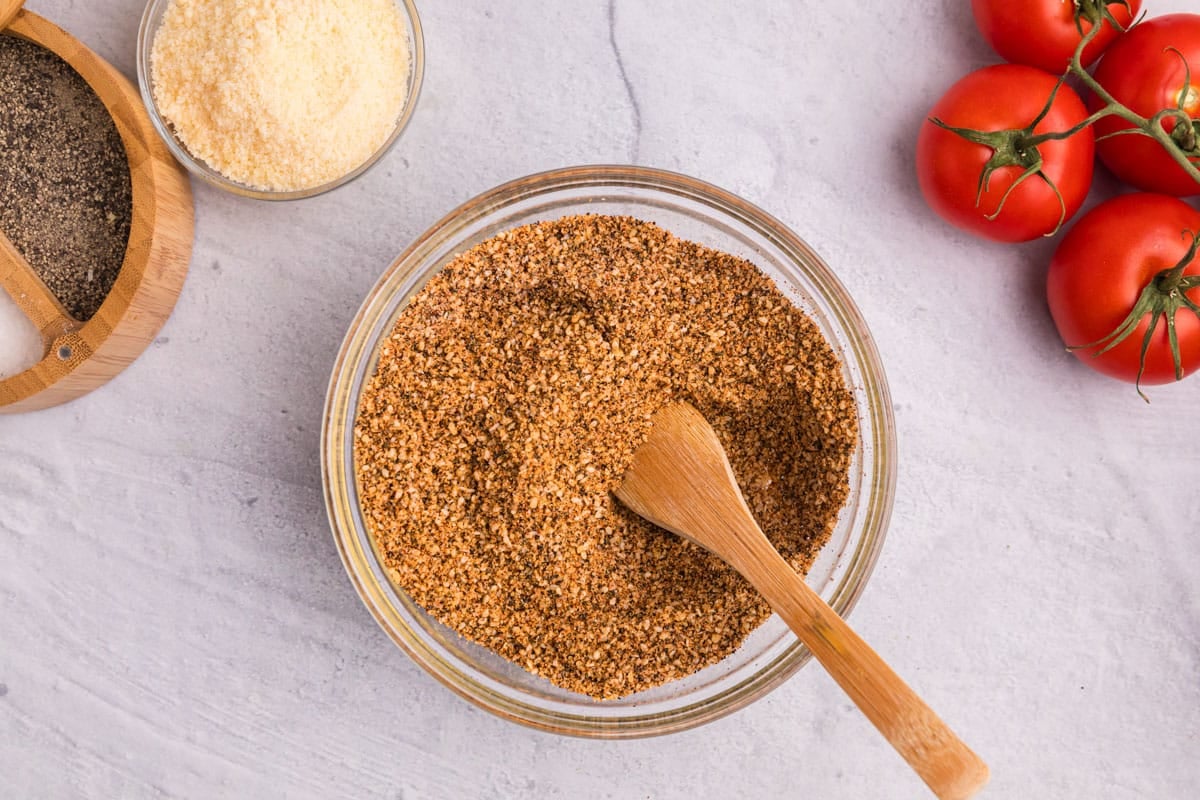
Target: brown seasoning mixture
(507,403)
(66,200)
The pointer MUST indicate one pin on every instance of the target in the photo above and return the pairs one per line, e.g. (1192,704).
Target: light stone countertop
(174,619)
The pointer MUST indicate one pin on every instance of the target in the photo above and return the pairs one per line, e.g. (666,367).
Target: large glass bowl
(152,19)
(693,210)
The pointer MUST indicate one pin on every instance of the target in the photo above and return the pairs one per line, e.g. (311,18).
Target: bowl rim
(145,42)
(356,352)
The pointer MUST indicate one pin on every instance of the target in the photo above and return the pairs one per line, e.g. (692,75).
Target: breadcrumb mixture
(507,403)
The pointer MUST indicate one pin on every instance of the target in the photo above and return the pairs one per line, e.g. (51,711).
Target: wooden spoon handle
(942,760)
(681,480)
(31,295)
(9,10)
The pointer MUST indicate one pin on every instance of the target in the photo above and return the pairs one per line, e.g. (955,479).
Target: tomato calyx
(1015,147)
(1161,299)
(1187,138)
(1096,12)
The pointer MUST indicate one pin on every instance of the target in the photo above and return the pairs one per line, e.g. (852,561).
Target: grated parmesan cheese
(280,95)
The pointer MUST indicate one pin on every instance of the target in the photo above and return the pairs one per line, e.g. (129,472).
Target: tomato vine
(1019,147)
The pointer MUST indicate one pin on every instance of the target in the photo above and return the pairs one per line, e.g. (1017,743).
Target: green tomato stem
(1151,126)
(1167,292)
(1161,299)
(1182,145)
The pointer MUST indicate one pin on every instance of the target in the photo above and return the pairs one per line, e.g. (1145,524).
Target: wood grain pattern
(681,480)
(81,356)
(8,10)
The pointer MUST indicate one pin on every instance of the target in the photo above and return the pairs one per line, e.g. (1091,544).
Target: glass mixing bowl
(152,19)
(693,210)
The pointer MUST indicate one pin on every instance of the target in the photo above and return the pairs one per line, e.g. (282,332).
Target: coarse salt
(282,96)
(20,343)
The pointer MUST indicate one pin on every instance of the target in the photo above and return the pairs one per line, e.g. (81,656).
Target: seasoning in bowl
(507,402)
(281,96)
(66,199)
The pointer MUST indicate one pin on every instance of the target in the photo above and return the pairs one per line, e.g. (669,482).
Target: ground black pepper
(66,200)
(507,403)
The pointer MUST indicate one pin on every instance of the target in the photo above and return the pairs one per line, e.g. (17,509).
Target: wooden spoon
(681,480)
(8,10)
(31,295)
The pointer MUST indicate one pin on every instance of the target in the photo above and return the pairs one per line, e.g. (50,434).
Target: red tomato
(999,98)
(1141,73)
(1100,270)
(1042,33)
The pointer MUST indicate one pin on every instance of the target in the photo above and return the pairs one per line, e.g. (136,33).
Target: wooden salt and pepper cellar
(81,356)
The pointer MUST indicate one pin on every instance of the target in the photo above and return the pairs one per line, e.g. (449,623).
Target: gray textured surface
(174,621)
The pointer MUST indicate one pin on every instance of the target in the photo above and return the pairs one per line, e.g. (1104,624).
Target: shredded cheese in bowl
(281,96)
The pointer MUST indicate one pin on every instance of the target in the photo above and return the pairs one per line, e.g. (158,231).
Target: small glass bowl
(693,210)
(152,19)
